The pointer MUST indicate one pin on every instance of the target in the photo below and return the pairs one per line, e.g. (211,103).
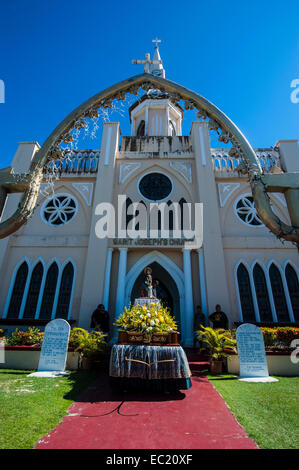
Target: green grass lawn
(269,412)
(31,407)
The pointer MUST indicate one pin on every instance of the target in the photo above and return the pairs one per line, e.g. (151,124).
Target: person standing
(100,319)
(219,319)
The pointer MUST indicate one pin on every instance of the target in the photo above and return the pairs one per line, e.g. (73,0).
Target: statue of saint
(149,281)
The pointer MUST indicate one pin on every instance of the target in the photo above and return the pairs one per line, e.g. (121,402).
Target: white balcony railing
(222,161)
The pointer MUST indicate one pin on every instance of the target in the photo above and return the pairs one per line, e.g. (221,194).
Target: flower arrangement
(149,319)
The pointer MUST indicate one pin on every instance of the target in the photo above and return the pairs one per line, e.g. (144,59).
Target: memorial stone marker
(252,354)
(54,349)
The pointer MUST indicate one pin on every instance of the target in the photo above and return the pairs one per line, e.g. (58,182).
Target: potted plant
(89,345)
(217,342)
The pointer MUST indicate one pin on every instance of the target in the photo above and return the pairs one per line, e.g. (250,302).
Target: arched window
(18,291)
(293,286)
(141,129)
(245,294)
(137,213)
(128,217)
(165,217)
(172,131)
(49,292)
(182,201)
(65,291)
(278,294)
(262,294)
(170,217)
(33,292)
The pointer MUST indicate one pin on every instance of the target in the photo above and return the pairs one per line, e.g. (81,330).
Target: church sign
(141,242)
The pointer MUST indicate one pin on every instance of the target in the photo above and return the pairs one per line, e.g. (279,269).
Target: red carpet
(194,419)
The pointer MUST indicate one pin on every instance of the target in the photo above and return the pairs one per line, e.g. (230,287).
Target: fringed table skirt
(159,368)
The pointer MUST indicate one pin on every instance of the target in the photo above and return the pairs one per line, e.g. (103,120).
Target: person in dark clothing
(219,319)
(100,319)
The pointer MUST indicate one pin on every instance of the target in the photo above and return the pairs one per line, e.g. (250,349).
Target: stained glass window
(18,291)
(33,292)
(278,294)
(245,294)
(262,294)
(293,286)
(49,292)
(65,291)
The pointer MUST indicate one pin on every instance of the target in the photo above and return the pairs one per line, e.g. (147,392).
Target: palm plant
(217,341)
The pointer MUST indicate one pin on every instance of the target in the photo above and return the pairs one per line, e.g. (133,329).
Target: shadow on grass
(222,377)
(16,372)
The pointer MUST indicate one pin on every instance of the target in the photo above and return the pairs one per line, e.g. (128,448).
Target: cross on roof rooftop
(153,66)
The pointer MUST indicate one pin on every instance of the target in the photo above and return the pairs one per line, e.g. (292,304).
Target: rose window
(155,186)
(59,210)
(246,211)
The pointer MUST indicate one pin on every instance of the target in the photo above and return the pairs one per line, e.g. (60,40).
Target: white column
(146,121)
(188,314)
(121,285)
(202,285)
(107,278)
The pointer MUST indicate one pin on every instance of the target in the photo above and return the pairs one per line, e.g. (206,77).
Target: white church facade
(55,266)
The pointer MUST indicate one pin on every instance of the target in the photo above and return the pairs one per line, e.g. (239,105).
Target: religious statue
(149,281)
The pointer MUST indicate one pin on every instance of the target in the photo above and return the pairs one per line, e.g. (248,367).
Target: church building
(56,266)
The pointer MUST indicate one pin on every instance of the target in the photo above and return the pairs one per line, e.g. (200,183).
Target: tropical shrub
(149,319)
(88,344)
(217,342)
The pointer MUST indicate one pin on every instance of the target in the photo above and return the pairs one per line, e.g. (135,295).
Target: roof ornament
(153,66)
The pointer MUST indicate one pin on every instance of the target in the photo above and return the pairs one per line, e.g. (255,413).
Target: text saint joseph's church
(55,266)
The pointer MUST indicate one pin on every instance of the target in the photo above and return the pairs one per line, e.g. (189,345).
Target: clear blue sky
(241,55)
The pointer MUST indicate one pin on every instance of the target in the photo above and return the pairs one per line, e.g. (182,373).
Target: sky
(240,55)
